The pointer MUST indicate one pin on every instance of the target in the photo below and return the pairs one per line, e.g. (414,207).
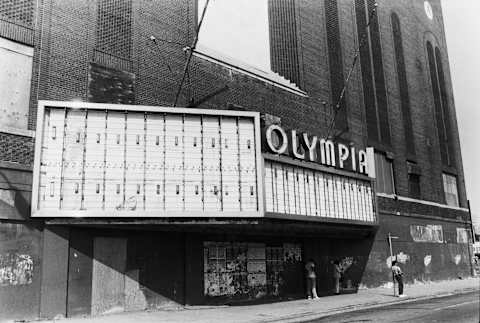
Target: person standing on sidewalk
(311,280)
(398,276)
(337,274)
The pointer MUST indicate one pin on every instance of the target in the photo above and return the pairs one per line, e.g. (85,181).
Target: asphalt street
(461,308)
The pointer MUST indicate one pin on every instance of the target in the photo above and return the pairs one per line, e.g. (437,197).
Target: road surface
(464,308)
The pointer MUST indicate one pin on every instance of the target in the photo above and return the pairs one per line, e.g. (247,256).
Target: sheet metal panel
(174,185)
(291,184)
(211,163)
(131,160)
(94,160)
(269,191)
(248,175)
(230,164)
(193,163)
(115,161)
(71,182)
(134,159)
(310,192)
(154,162)
(301,191)
(279,187)
(321,194)
(51,159)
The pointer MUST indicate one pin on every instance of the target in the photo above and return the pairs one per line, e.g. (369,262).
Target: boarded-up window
(384,172)
(427,233)
(15,77)
(462,235)
(450,189)
(240,269)
(108,85)
(414,185)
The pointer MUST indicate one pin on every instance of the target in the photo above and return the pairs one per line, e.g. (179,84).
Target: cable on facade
(190,53)
(361,43)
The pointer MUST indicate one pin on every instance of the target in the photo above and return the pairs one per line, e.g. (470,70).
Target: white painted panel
(331,209)
(290,176)
(230,164)
(339,189)
(174,185)
(321,194)
(115,156)
(73,157)
(348,200)
(135,157)
(193,163)
(280,190)
(211,163)
(310,192)
(51,162)
(354,193)
(94,160)
(248,173)
(154,171)
(361,194)
(371,216)
(301,191)
(269,196)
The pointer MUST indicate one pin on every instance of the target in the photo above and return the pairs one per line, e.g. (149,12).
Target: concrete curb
(366,306)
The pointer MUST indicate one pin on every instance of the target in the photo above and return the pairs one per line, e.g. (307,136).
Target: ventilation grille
(335,62)
(283,39)
(18,11)
(366,68)
(114,29)
(403,85)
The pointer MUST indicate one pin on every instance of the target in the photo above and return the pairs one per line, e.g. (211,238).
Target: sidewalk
(291,311)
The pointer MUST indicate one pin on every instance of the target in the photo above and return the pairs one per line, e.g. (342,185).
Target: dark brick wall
(16,149)
(68,32)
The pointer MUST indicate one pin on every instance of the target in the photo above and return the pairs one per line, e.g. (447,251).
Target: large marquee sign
(121,160)
(302,146)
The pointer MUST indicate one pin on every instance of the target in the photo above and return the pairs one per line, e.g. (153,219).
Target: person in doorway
(337,274)
(311,280)
(398,277)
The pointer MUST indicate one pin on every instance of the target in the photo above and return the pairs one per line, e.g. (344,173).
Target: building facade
(141,171)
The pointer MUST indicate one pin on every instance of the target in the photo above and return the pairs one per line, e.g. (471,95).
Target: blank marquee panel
(107,160)
(302,191)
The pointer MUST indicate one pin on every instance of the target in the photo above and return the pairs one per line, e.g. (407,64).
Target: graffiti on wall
(427,233)
(16,269)
(401,257)
(251,270)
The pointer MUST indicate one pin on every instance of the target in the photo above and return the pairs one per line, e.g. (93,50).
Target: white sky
(462,25)
(462,28)
(223,20)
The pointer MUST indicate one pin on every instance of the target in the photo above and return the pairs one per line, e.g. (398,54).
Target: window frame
(447,185)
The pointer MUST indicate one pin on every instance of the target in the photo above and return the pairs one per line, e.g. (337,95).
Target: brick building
(71,66)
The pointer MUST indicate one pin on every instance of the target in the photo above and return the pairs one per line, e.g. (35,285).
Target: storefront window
(248,270)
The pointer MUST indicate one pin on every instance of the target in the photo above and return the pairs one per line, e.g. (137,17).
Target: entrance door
(108,280)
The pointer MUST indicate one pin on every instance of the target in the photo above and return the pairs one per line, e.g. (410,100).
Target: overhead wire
(361,43)
(190,53)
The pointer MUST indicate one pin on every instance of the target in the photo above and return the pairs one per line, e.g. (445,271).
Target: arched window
(403,85)
(440,101)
